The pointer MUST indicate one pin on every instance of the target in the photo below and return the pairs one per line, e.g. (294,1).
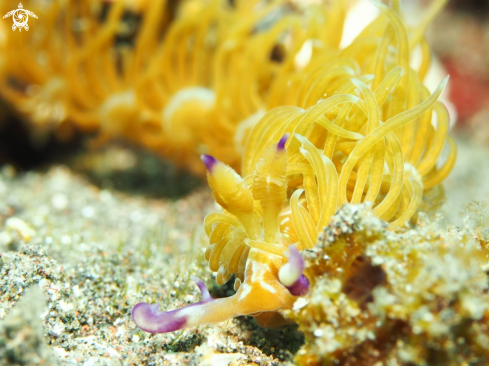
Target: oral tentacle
(291,274)
(300,287)
(150,319)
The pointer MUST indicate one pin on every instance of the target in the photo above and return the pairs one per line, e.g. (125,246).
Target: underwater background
(105,110)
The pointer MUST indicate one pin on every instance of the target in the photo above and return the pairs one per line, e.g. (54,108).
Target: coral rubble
(414,297)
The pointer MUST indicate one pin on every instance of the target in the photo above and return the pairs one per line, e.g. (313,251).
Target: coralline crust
(416,297)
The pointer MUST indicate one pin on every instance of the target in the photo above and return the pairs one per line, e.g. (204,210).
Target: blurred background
(459,37)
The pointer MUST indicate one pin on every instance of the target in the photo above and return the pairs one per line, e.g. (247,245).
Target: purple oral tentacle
(291,275)
(206,297)
(151,320)
(209,310)
(300,287)
(281,143)
(209,161)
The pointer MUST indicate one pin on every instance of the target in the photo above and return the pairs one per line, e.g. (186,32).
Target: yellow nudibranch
(360,127)
(262,86)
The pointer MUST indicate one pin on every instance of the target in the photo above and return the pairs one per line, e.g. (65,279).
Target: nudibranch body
(358,128)
(245,241)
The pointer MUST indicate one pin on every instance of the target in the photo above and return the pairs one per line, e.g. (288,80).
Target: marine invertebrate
(36,92)
(356,145)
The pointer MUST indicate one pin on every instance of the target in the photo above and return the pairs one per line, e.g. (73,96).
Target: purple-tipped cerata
(150,319)
(281,143)
(291,274)
(209,162)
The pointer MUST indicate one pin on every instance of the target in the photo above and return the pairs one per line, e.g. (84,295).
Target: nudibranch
(360,128)
(246,240)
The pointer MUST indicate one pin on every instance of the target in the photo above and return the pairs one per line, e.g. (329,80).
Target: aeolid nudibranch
(376,138)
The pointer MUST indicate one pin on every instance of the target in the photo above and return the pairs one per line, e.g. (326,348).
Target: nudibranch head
(247,240)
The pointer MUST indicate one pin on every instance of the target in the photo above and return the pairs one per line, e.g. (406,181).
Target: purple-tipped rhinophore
(209,162)
(151,320)
(291,275)
(300,287)
(283,140)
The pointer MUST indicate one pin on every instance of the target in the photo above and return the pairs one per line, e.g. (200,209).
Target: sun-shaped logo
(20,17)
